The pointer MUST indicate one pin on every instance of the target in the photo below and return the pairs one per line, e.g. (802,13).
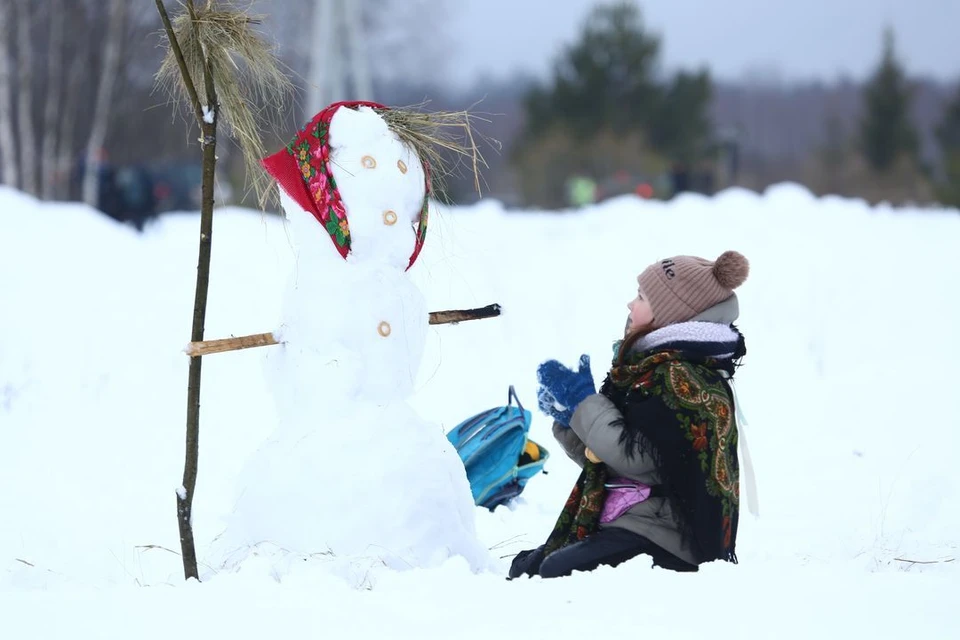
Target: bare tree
(373,41)
(359,62)
(51,132)
(323,55)
(28,149)
(70,125)
(102,108)
(409,38)
(8,147)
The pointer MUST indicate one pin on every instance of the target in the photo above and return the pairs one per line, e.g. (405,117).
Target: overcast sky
(794,38)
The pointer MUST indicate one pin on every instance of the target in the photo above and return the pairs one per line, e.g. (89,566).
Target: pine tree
(607,101)
(948,135)
(681,127)
(606,78)
(887,133)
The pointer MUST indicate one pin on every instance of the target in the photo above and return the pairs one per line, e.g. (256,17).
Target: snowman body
(350,332)
(352,470)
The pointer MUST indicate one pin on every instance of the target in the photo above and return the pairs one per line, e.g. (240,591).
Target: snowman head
(366,188)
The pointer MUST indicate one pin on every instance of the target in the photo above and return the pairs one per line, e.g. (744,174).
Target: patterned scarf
(304,170)
(581,513)
(688,429)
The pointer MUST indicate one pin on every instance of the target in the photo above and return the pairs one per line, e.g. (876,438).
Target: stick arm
(209,347)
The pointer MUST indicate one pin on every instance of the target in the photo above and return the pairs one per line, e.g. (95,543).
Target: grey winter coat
(595,425)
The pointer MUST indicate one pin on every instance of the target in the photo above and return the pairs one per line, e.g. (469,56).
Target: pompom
(731,269)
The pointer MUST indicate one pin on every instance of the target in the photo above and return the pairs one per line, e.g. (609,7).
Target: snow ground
(848,388)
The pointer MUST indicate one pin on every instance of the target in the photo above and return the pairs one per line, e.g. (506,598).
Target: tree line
(77,96)
(607,108)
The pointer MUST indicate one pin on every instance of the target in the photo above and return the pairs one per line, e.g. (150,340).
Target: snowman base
(333,498)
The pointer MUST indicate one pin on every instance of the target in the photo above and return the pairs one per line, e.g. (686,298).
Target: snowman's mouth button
(389,218)
(368,162)
(384,329)
(402,166)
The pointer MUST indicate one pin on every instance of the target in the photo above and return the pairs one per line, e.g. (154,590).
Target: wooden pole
(208,127)
(208,347)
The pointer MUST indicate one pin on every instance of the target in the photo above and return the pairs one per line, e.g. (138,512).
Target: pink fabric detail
(625,494)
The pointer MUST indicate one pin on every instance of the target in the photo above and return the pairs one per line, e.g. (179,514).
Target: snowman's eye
(368,162)
(402,166)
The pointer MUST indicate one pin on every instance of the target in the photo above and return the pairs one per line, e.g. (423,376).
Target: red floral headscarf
(302,169)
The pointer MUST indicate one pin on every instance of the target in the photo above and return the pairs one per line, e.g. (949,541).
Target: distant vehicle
(177,187)
(646,186)
(136,193)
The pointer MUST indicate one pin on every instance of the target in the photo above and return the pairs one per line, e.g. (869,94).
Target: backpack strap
(511,396)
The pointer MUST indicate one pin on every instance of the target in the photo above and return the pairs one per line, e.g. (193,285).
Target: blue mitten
(562,389)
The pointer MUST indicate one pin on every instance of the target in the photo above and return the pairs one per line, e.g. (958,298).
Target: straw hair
(431,133)
(246,75)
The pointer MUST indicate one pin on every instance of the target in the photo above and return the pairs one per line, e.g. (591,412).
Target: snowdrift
(848,386)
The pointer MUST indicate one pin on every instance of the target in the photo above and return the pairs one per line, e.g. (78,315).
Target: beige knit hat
(681,287)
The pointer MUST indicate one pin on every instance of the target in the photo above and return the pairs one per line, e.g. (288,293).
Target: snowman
(352,472)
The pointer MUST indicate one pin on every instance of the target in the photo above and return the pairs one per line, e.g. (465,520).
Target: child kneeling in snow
(658,443)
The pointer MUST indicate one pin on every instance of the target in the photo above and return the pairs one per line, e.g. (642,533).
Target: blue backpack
(497,454)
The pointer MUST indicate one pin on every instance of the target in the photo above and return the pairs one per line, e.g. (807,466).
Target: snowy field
(849,389)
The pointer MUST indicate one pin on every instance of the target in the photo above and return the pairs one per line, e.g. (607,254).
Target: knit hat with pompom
(682,287)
